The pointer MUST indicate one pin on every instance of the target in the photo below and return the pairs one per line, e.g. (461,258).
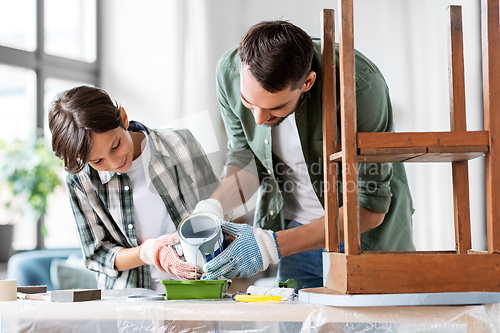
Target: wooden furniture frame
(461,270)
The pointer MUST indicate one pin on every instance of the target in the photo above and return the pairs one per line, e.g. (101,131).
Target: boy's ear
(124,117)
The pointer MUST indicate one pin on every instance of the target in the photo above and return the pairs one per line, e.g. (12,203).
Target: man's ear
(308,83)
(124,116)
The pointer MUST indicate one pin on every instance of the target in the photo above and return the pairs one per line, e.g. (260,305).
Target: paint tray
(194,289)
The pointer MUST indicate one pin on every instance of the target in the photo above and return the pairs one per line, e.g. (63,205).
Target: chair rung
(419,147)
(422,139)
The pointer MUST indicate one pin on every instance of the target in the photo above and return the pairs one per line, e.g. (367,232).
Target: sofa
(56,268)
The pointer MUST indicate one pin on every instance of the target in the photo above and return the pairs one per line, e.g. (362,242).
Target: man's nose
(260,115)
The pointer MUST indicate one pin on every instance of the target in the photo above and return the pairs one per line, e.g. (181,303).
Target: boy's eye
(117,145)
(98,161)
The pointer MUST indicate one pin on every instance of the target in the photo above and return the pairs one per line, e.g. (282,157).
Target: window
(18,24)
(46,46)
(70,29)
(17,102)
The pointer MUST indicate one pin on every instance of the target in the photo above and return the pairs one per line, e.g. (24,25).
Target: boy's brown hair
(278,53)
(73,116)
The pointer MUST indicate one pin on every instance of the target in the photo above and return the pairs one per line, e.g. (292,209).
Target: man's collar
(303,97)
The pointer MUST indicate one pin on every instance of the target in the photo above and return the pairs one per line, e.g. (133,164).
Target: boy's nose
(117,163)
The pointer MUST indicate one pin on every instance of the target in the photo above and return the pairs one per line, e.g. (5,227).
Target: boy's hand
(210,206)
(161,253)
(251,251)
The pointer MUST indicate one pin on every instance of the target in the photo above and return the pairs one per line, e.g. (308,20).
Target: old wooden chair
(461,270)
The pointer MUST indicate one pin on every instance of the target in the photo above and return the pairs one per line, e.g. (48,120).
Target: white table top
(116,312)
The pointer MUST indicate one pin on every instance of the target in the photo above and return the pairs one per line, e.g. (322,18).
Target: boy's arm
(98,252)
(158,252)
(128,258)
(109,258)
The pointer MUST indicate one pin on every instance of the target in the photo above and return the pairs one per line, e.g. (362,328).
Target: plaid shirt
(103,207)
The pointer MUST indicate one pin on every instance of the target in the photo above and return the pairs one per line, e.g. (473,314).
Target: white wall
(159,61)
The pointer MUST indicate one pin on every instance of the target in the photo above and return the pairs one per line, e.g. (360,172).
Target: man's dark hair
(73,116)
(278,53)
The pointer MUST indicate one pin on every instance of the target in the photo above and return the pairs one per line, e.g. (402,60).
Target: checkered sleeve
(204,179)
(97,245)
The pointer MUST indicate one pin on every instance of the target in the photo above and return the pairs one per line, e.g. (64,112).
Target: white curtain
(159,58)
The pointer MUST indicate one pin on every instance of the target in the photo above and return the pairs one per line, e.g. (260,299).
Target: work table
(113,313)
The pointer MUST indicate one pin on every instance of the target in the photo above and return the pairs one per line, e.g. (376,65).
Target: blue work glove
(251,251)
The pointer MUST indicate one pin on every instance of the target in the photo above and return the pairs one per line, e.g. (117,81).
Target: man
(269,90)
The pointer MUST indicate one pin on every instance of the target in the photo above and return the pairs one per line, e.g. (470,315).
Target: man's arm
(235,188)
(292,241)
(253,249)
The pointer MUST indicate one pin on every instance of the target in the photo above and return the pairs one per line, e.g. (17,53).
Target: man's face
(269,109)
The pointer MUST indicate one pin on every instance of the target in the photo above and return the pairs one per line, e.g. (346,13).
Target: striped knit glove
(161,253)
(251,251)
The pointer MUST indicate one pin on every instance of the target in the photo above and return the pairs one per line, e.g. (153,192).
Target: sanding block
(32,289)
(75,295)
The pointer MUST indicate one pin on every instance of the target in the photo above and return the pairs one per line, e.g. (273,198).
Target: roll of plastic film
(142,298)
(8,290)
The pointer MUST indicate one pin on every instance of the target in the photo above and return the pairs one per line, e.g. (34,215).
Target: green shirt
(382,187)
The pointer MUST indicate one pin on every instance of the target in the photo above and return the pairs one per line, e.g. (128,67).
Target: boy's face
(112,151)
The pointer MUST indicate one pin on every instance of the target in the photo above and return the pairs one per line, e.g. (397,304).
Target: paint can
(201,238)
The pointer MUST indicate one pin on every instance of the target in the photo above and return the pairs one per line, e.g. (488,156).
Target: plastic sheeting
(114,313)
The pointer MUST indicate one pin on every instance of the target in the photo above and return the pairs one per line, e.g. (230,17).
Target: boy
(128,185)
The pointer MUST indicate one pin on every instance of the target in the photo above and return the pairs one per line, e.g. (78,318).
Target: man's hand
(251,251)
(210,206)
(161,253)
